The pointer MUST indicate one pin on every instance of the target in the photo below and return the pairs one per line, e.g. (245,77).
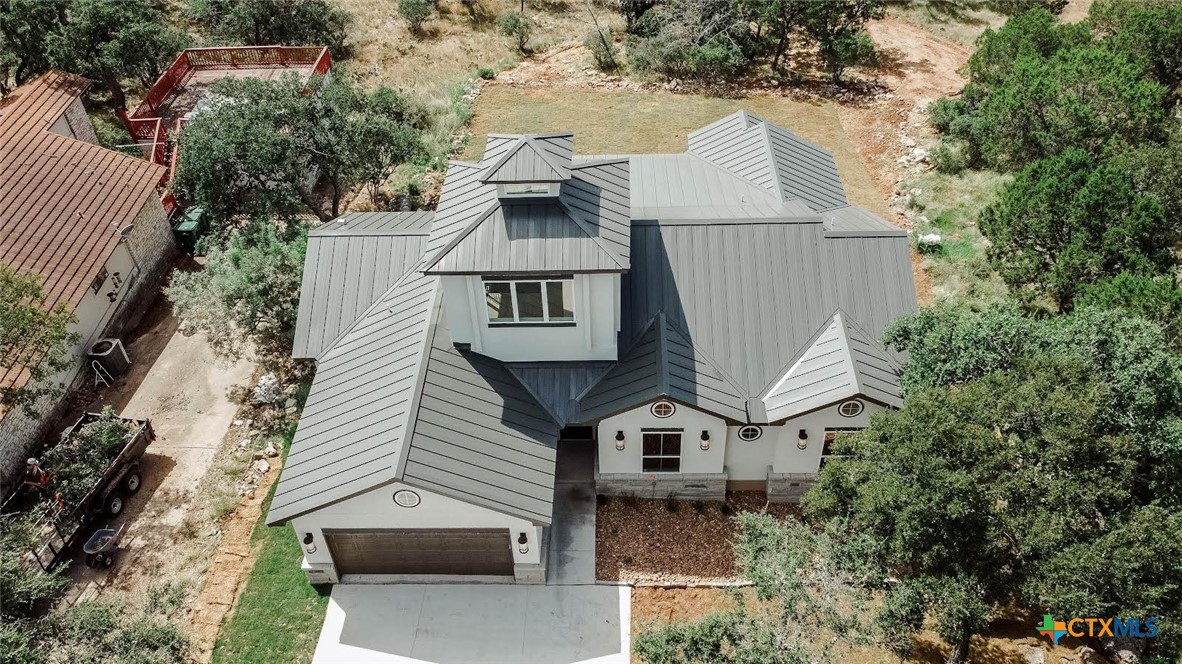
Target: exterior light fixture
(705,444)
(802,440)
(309,545)
(619,440)
(111,296)
(522,543)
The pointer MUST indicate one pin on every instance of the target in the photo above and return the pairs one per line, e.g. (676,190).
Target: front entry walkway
(476,624)
(571,559)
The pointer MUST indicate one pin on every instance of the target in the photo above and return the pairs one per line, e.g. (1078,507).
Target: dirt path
(232,564)
(889,128)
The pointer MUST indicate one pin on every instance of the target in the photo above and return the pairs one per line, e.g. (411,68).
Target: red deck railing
(147,127)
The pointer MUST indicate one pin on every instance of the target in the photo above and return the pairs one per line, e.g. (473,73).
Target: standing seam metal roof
(394,400)
(842,361)
(350,263)
(541,158)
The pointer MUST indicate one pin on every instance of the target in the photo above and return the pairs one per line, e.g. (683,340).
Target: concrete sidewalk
(477,624)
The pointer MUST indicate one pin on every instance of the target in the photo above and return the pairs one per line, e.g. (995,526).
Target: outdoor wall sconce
(705,444)
(111,296)
(619,440)
(802,440)
(309,545)
(522,543)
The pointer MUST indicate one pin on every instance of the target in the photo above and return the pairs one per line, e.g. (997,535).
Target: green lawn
(632,121)
(278,616)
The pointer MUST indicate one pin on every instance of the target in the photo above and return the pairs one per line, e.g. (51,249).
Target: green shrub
(603,49)
(78,462)
(487,73)
(415,13)
(516,25)
(950,157)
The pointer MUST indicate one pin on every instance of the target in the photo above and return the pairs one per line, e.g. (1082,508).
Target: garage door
(472,551)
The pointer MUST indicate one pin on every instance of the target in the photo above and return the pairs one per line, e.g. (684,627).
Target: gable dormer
(527,167)
(530,244)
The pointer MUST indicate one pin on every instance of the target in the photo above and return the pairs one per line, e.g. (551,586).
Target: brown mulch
(673,542)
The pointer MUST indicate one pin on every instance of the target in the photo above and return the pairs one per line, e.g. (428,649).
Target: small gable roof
(663,362)
(535,158)
(773,158)
(586,229)
(842,361)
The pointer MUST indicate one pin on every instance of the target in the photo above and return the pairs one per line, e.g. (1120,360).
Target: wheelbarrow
(100,548)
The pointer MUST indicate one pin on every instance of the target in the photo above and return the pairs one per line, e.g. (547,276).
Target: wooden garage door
(473,551)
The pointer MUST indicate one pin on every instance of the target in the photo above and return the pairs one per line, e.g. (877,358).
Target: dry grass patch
(961,22)
(632,121)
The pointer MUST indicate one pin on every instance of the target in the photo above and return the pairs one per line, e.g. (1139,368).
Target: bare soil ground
(673,542)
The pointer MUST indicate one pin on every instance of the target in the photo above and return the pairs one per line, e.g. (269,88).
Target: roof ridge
(451,244)
(423,357)
(771,159)
(627,352)
(330,346)
(522,142)
(780,375)
(706,357)
(575,217)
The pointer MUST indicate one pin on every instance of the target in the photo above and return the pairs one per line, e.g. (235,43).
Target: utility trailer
(61,525)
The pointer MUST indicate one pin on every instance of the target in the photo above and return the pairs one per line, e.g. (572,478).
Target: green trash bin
(188,229)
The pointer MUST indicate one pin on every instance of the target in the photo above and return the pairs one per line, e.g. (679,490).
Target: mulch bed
(673,542)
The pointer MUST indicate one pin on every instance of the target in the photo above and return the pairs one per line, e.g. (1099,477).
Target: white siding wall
(693,458)
(742,460)
(593,337)
(377,509)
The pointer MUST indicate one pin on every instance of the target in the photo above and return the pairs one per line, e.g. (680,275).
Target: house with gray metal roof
(704,321)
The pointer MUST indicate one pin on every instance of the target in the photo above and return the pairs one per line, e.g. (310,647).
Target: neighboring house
(707,321)
(85,219)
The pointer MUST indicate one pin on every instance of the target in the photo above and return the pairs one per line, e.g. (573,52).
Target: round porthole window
(851,408)
(750,433)
(406,498)
(663,409)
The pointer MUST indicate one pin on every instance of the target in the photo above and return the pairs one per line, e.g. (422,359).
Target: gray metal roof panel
(854,221)
(841,362)
(376,223)
(527,158)
(350,435)
(663,362)
(753,295)
(345,271)
(480,436)
(557,385)
(771,157)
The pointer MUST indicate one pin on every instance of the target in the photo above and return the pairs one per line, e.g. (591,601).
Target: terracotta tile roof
(62,200)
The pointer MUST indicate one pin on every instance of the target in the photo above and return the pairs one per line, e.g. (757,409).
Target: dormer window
(528,189)
(530,301)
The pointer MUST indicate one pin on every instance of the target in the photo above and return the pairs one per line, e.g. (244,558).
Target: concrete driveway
(477,624)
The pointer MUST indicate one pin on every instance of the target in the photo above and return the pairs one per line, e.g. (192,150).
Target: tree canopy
(32,339)
(266,145)
(25,27)
(247,297)
(109,40)
(997,492)
(1065,222)
(287,22)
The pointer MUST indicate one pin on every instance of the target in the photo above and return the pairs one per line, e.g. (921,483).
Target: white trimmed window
(660,451)
(532,302)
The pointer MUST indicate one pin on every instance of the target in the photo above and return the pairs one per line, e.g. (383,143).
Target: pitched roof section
(351,434)
(772,158)
(585,230)
(480,437)
(350,263)
(393,400)
(557,385)
(62,200)
(663,362)
(841,362)
(540,158)
(753,294)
